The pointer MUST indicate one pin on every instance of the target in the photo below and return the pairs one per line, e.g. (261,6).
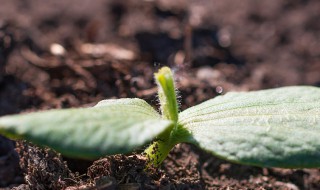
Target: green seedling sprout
(269,128)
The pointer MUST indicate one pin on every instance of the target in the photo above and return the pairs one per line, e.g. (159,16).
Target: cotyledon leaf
(272,128)
(112,126)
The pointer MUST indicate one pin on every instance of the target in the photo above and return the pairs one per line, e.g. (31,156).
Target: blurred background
(59,54)
(70,53)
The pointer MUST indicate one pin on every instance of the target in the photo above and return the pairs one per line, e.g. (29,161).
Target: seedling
(270,128)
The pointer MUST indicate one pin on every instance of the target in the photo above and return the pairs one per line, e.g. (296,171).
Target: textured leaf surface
(272,128)
(112,126)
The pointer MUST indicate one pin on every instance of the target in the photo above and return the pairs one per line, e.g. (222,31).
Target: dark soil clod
(44,168)
(126,170)
(9,163)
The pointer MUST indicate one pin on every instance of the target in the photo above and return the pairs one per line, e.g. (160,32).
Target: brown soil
(59,54)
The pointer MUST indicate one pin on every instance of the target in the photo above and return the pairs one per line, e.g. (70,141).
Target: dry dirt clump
(43,168)
(130,172)
(9,163)
(124,172)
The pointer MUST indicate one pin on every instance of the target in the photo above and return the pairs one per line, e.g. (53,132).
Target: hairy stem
(159,150)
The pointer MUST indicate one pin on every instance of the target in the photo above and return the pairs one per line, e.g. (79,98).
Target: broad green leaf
(272,128)
(112,126)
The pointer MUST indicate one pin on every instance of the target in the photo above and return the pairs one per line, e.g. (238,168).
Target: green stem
(160,149)
(157,152)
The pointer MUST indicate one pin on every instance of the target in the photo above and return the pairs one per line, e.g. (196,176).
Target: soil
(61,54)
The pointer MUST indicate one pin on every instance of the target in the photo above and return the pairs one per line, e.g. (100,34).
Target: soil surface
(61,54)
